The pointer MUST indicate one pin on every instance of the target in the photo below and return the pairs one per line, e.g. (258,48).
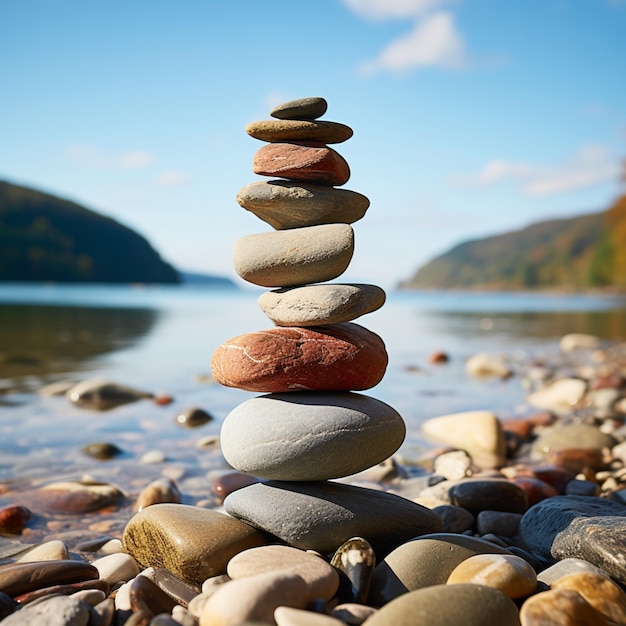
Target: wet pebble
(193,418)
(560,607)
(103,451)
(13,518)
(157,492)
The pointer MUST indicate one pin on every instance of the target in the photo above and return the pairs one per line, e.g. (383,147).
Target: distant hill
(207,280)
(45,238)
(578,253)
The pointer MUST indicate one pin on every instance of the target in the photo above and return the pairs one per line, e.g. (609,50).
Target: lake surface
(160,339)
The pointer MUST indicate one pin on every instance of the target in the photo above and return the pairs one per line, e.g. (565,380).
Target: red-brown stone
(536,490)
(313,163)
(13,518)
(338,357)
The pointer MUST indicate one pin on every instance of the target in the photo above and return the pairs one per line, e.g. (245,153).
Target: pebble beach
(306,506)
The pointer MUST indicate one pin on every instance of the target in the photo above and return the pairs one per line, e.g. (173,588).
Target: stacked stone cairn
(311,426)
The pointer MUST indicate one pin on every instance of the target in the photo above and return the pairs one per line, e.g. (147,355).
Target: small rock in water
(193,418)
(78,497)
(13,518)
(576,341)
(157,492)
(487,365)
(104,451)
(102,395)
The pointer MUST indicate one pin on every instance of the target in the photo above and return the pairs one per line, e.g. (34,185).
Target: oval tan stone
(286,616)
(321,578)
(191,542)
(254,599)
(513,576)
(315,305)
(600,592)
(299,130)
(560,607)
(298,256)
(479,433)
(447,605)
(289,204)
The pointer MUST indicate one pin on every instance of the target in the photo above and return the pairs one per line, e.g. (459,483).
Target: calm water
(161,340)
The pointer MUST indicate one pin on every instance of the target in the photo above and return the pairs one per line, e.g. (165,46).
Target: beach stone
(510,574)
(338,357)
(356,559)
(453,465)
(63,589)
(454,519)
(76,497)
(554,475)
(297,256)
(7,605)
(193,418)
(101,450)
(13,518)
(115,568)
(578,487)
(496,494)
(576,341)
(311,163)
(566,567)
(19,578)
(585,527)
(573,446)
(254,599)
(146,596)
(315,305)
(286,616)
(321,578)
(444,605)
(173,586)
(479,433)
(536,490)
(53,611)
(53,550)
(100,394)
(600,591)
(300,109)
(287,204)
(560,396)
(323,515)
(559,607)
(231,481)
(310,436)
(191,542)
(487,365)
(423,562)
(299,130)
(353,613)
(498,523)
(158,491)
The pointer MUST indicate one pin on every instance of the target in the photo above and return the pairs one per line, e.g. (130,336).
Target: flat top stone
(301,109)
(323,515)
(299,130)
(315,305)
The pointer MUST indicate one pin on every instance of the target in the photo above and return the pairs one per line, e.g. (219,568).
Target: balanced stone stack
(310,427)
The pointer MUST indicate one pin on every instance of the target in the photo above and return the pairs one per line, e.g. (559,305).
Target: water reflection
(39,339)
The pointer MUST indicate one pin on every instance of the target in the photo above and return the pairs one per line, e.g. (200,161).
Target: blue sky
(470,117)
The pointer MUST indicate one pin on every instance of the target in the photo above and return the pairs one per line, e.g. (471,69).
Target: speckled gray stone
(310,436)
(300,109)
(316,305)
(51,611)
(445,605)
(290,204)
(293,257)
(323,515)
(423,562)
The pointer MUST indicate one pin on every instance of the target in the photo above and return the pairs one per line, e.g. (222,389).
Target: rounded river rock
(310,436)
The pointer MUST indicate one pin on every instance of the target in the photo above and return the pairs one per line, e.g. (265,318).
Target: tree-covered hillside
(45,238)
(584,252)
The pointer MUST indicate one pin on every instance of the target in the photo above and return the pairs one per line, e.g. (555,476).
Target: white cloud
(381,9)
(434,42)
(134,160)
(173,178)
(590,165)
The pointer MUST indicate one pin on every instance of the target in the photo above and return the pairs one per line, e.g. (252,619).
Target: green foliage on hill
(577,253)
(45,238)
